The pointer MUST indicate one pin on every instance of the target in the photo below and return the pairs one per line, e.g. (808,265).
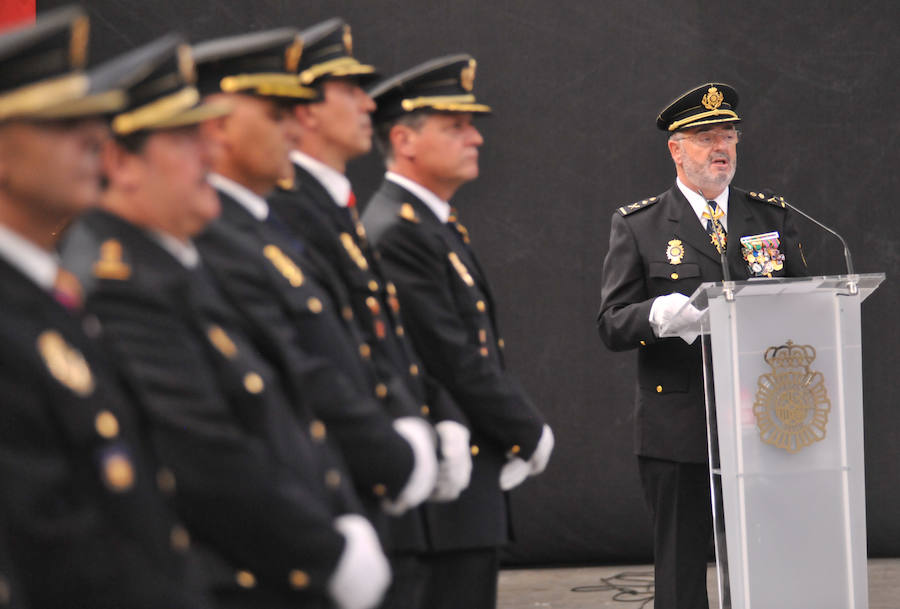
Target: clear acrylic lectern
(783,377)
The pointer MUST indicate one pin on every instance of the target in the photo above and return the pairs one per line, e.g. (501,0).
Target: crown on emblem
(790,355)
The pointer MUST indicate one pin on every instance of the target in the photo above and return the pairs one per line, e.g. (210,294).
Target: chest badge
(354,252)
(284,264)
(675,251)
(762,254)
(65,363)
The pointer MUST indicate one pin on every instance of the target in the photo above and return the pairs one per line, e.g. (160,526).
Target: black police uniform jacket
(449,313)
(339,239)
(337,235)
(86,525)
(670,419)
(258,490)
(298,316)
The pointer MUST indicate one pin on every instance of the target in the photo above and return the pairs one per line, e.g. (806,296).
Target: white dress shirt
(34,262)
(185,253)
(336,183)
(251,201)
(440,207)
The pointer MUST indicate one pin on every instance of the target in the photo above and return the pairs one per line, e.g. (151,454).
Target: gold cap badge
(81,29)
(348,40)
(467,76)
(293,54)
(713,99)
(186,66)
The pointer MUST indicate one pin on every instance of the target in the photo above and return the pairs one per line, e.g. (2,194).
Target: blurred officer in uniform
(319,207)
(262,491)
(295,308)
(661,249)
(424,127)
(85,523)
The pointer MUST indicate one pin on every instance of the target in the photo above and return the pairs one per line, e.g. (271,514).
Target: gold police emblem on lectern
(792,402)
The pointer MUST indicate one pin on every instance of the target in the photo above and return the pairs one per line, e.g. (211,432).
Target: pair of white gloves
(444,479)
(363,573)
(663,317)
(455,468)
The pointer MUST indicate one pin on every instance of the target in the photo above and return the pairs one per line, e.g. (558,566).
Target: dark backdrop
(576,87)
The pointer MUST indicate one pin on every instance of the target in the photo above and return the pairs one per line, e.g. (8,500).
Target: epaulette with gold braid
(767,197)
(637,206)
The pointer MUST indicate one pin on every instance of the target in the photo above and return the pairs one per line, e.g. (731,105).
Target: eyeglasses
(706,139)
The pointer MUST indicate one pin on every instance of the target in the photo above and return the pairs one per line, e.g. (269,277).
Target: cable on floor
(629,587)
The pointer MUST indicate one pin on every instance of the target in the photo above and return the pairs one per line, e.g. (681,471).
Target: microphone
(726,274)
(770,197)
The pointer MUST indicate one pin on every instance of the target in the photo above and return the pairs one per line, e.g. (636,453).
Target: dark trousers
(678,497)
(409,579)
(465,579)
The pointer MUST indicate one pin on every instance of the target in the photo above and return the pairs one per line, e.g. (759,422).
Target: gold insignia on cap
(118,472)
(110,265)
(348,39)
(408,213)
(293,54)
(675,251)
(81,30)
(65,363)
(186,66)
(467,76)
(712,99)
(285,265)
(461,269)
(354,252)
(221,341)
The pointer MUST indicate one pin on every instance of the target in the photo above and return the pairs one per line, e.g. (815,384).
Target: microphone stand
(852,279)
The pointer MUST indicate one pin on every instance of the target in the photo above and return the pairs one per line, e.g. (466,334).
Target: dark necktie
(284,232)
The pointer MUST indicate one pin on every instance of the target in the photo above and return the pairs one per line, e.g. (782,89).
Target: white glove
(455,465)
(513,473)
(541,456)
(363,572)
(421,481)
(663,311)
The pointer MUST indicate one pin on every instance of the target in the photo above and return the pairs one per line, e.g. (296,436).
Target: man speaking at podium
(660,250)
